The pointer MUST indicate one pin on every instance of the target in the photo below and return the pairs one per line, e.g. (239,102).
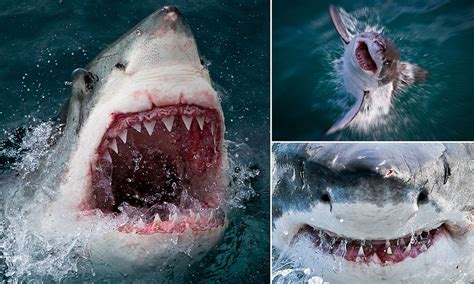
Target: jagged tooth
(402,242)
(149,125)
(187,121)
(212,128)
(200,120)
(387,244)
(361,252)
(389,250)
(157,218)
(408,248)
(423,248)
(140,223)
(137,126)
(210,216)
(191,214)
(113,145)
(107,156)
(168,122)
(173,217)
(198,217)
(123,135)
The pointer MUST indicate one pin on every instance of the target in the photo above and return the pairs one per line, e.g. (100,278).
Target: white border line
(370,142)
(271,144)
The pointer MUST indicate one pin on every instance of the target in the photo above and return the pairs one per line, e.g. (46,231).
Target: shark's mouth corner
(379,252)
(363,57)
(163,169)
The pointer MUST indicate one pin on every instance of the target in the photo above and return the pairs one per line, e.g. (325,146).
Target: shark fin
(339,24)
(349,116)
(410,74)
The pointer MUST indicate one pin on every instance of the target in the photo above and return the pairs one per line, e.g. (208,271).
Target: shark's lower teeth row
(176,222)
(377,251)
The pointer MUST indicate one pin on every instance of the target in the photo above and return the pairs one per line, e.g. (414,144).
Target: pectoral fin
(339,24)
(348,117)
(410,74)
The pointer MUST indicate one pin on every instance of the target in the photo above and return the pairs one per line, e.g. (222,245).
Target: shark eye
(120,66)
(422,197)
(388,63)
(325,198)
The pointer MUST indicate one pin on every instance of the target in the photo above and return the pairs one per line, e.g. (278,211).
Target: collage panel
(150,162)
(372,70)
(372,213)
(252,141)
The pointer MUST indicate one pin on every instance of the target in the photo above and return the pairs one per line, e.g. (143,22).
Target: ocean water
(43,41)
(308,95)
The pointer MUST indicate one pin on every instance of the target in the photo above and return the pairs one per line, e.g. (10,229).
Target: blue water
(307,93)
(43,41)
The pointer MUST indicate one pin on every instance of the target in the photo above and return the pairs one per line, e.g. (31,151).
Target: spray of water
(32,184)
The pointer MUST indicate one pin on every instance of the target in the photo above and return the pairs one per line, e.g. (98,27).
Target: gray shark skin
(373,72)
(373,200)
(140,161)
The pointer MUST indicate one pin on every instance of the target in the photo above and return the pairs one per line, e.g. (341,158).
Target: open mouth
(382,252)
(363,57)
(163,169)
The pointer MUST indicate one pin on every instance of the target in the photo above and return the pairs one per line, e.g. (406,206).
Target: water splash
(29,255)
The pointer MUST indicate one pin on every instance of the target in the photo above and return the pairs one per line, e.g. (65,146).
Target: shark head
(374,55)
(368,54)
(372,73)
(148,156)
(402,212)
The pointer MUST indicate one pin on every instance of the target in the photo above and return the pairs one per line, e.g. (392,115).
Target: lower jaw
(186,223)
(381,255)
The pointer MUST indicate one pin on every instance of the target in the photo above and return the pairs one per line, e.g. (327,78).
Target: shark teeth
(107,156)
(123,135)
(200,121)
(367,251)
(408,248)
(168,122)
(149,125)
(187,121)
(157,218)
(137,126)
(113,145)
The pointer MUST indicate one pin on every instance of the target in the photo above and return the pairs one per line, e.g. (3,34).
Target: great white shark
(373,72)
(375,213)
(142,152)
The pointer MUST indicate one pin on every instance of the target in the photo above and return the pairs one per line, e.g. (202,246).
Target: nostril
(325,198)
(422,197)
(120,66)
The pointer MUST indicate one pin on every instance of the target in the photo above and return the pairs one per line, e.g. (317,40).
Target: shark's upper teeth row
(149,126)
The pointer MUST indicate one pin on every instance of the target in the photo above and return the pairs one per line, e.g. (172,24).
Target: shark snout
(365,219)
